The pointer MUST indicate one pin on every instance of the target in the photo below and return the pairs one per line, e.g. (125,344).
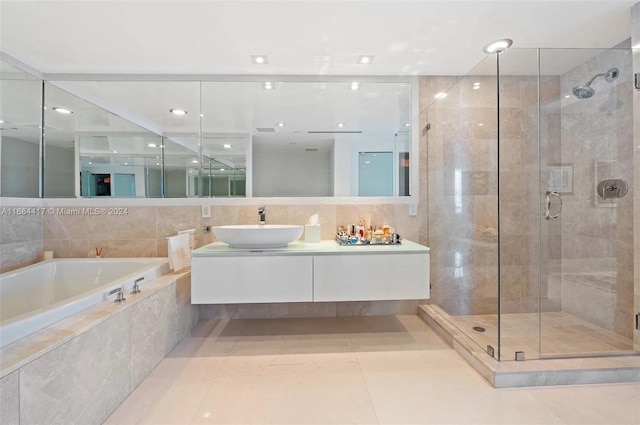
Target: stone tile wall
(635,42)
(108,360)
(20,235)
(463,192)
(597,235)
(140,232)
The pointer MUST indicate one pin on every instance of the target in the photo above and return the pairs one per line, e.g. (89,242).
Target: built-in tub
(34,297)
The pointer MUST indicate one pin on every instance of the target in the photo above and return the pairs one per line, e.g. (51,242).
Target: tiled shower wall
(597,235)
(463,192)
(635,42)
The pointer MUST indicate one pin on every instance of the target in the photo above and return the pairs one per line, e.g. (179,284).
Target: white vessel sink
(258,235)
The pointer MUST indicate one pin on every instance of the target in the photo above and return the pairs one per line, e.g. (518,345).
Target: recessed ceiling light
(476,87)
(114,151)
(498,46)
(268,85)
(365,59)
(340,124)
(222,169)
(157,163)
(481,124)
(280,124)
(126,163)
(440,95)
(1,122)
(152,145)
(90,162)
(201,115)
(61,110)
(407,124)
(194,161)
(477,83)
(226,146)
(354,85)
(178,111)
(259,59)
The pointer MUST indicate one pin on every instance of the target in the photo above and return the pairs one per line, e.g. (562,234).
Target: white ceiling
(300,37)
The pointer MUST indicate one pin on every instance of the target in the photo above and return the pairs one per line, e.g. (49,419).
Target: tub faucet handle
(263,215)
(119,295)
(136,287)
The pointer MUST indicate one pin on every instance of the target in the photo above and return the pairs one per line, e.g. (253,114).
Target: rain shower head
(586,91)
(583,92)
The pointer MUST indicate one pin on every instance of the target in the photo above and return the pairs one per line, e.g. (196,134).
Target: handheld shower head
(585,92)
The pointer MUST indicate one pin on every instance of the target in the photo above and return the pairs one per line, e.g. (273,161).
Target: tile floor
(369,370)
(562,334)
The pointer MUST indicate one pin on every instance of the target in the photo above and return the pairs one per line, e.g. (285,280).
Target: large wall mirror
(20,117)
(252,138)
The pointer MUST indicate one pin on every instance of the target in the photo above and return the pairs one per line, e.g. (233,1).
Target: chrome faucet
(263,215)
(120,295)
(136,287)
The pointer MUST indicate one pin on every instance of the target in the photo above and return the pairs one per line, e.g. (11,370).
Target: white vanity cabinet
(368,277)
(309,272)
(251,279)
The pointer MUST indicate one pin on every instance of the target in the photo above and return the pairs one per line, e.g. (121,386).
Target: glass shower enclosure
(529,203)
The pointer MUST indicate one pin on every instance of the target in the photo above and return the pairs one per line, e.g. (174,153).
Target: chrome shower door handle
(547,210)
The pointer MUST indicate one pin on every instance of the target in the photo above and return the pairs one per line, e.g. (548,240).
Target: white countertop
(325,247)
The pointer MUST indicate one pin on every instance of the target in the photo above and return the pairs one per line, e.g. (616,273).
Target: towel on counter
(192,234)
(179,252)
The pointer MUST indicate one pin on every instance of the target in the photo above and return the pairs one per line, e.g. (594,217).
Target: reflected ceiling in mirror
(227,129)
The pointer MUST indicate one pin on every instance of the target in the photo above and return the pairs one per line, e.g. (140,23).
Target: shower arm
(594,77)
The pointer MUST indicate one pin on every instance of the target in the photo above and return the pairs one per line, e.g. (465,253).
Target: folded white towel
(179,252)
(192,234)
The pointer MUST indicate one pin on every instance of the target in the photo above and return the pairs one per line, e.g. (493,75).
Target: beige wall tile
(139,223)
(123,248)
(59,226)
(69,248)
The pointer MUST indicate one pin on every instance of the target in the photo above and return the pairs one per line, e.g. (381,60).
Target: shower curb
(531,373)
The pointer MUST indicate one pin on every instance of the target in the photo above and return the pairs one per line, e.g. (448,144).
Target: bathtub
(34,297)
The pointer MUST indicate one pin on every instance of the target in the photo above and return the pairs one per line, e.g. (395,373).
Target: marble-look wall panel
(462,163)
(597,139)
(60,387)
(150,333)
(10,399)
(137,223)
(635,41)
(20,240)
(19,254)
(125,248)
(184,315)
(142,232)
(20,228)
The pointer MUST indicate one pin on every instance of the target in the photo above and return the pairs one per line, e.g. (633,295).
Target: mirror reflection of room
(209,139)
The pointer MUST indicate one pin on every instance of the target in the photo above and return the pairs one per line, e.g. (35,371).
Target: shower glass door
(519,223)
(462,168)
(586,167)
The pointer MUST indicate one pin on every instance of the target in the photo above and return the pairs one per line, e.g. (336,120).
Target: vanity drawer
(251,279)
(371,277)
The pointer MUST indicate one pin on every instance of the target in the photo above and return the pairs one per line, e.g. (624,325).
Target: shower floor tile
(551,334)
